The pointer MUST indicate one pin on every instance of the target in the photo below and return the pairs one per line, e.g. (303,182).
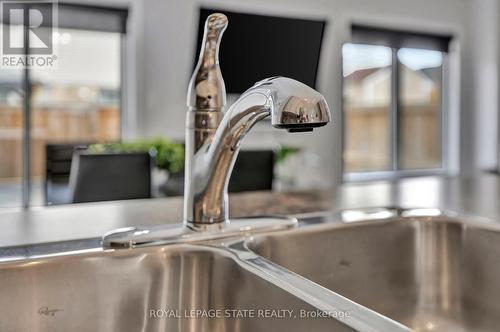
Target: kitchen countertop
(477,196)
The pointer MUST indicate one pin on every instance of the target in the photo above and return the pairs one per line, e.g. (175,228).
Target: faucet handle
(206,88)
(216,23)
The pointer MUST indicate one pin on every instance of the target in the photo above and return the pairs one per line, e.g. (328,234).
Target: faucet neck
(209,170)
(292,106)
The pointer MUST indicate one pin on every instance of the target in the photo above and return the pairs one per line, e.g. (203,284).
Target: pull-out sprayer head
(294,106)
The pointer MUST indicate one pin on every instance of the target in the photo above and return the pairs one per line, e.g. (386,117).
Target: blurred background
(413,86)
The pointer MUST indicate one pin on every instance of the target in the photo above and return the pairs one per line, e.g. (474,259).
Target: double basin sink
(390,270)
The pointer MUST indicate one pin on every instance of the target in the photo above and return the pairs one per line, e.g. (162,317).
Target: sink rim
(369,215)
(305,221)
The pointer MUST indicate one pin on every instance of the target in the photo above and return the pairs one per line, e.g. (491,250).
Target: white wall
(479,88)
(163,41)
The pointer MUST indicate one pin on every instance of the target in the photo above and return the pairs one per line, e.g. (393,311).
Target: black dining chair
(110,176)
(253,170)
(58,158)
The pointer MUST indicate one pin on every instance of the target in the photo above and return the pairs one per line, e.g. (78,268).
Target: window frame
(396,172)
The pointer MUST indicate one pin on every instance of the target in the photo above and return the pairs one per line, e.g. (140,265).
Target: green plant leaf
(168,155)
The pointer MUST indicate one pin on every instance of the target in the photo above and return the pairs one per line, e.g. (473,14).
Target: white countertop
(475,196)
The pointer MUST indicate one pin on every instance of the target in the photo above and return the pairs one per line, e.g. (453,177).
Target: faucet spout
(292,106)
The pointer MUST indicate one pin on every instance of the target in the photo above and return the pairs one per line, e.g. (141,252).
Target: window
(367,107)
(11,137)
(77,102)
(392,91)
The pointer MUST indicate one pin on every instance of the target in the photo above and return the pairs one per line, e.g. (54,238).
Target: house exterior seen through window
(392,108)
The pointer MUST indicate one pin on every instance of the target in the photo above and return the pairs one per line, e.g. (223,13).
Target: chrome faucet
(212,144)
(213,138)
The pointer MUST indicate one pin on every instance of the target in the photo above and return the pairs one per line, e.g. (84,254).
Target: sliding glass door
(77,101)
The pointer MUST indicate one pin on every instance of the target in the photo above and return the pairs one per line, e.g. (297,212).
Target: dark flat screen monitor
(255,47)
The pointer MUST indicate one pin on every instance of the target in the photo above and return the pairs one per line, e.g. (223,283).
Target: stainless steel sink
(428,273)
(126,290)
(388,275)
